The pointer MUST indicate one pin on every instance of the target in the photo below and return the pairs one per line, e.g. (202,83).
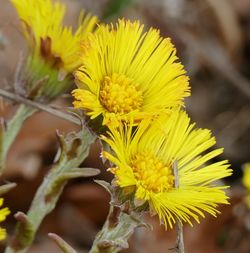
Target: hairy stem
(74,149)
(10,130)
(118,228)
(17,98)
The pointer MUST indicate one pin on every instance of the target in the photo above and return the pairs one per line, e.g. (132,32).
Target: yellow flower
(246,176)
(246,181)
(127,73)
(144,161)
(3,213)
(54,47)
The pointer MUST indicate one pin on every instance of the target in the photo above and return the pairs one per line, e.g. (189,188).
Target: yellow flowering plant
(129,79)
(143,167)
(54,48)
(53,55)
(128,73)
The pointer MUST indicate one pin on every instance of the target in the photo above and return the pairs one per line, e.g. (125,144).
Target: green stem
(9,132)
(74,150)
(118,228)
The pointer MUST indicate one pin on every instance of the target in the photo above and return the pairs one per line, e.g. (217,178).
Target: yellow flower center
(152,173)
(119,94)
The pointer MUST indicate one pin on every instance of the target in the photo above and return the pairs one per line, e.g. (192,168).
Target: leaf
(25,228)
(61,179)
(105,185)
(7,187)
(64,246)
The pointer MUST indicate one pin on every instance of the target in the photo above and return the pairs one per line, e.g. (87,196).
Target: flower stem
(117,229)
(9,131)
(179,227)
(42,107)
(74,148)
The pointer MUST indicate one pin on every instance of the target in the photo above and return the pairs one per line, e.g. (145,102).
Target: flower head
(144,161)
(127,73)
(54,47)
(3,214)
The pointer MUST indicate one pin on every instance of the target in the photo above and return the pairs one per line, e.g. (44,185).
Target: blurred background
(213,42)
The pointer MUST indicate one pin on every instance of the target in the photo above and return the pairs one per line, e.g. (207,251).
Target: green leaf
(61,179)
(64,246)
(24,227)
